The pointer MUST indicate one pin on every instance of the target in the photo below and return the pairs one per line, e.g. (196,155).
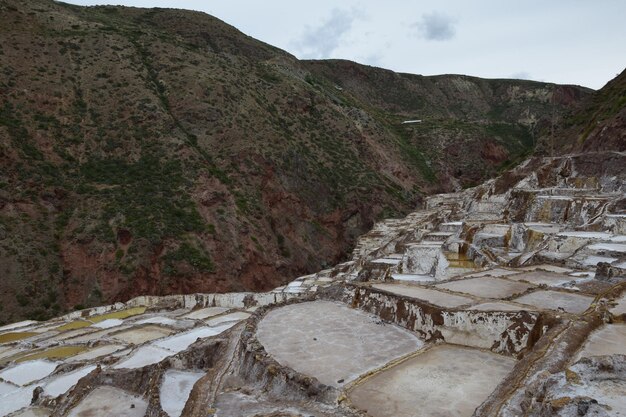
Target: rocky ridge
(524,275)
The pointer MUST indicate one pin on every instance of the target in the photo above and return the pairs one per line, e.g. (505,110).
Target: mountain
(599,124)
(154,151)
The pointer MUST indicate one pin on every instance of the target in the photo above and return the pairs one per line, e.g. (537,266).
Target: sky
(563,41)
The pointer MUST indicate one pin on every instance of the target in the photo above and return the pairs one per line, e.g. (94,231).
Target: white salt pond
(551,279)
(109,401)
(498,272)
(435,297)
(182,341)
(62,383)
(609,339)
(609,247)
(143,356)
(107,324)
(27,372)
(444,381)
(236,316)
(555,300)
(486,287)
(161,349)
(497,306)
(17,325)
(204,313)
(594,260)
(413,277)
(175,390)
(331,341)
(166,321)
(15,400)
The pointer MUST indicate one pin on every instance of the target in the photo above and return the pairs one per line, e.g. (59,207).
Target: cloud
(436,26)
(321,41)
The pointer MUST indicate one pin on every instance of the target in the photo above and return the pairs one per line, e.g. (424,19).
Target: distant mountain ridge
(154,151)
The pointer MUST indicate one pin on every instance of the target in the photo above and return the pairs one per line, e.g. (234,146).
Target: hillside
(153,151)
(599,124)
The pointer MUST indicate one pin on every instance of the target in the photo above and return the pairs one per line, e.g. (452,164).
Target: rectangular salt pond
(145,355)
(550,279)
(553,300)
(486,287)
(498,272)
(236,316)
(175,390)
(204,313)
(439,298)
(182,341)
(161,349)
(142,334)
(331,341)
(413,277)
(109,401)
(444,381)
(609,339)
(62,383)
(27,372)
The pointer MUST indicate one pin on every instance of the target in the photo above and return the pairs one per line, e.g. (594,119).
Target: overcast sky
(564,41)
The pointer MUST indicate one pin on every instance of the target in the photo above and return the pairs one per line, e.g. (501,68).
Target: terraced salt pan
(486,287)
(143,356)
(444,381)
(15,336)
(57,352)
(236,316)
(553,300)
(497,306)
(97,335)
(139,335)
(435,297)
(166,321)
(97,352)
(331,341)
(551,279)
(6,352)
(547,267)
(587,235)
(182,341)
(27,372)
(610,339)
(62,383)
(204,313)
(17,325)
(498,272)
(15,400)
(413,277)
(109,401)
(387,261)
(609,247)
(175,390)
(108,323)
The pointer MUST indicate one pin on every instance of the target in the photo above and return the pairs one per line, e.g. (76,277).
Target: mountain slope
(599,124)
(163,151)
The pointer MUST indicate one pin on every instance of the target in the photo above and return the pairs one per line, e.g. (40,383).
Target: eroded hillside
(162,151)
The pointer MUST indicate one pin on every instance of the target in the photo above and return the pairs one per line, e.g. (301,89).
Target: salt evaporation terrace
(507,299)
